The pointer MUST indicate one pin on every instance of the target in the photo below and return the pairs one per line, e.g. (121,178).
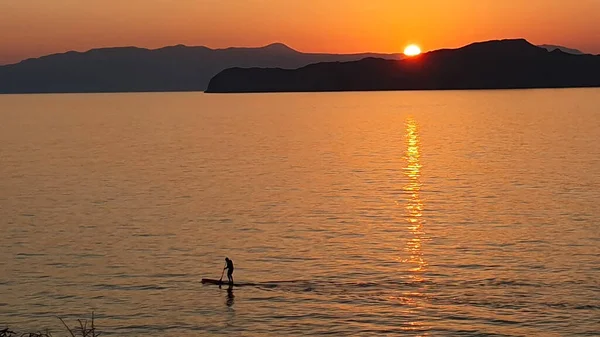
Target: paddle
(221,279)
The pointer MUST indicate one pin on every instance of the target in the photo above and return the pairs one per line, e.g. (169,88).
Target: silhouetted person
(229,267)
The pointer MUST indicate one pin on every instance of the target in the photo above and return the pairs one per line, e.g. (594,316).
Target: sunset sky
(31,28)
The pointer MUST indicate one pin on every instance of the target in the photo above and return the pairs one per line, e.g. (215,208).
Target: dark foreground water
(413,213)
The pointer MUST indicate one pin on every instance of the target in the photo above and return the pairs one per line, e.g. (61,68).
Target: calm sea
(463,213)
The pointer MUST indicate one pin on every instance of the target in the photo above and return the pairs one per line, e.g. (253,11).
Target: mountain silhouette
(499,64)
(131,69)
(551,47)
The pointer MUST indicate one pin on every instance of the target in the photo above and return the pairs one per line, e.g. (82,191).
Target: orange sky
(30,28)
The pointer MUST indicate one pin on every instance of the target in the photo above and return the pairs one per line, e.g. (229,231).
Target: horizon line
(80,51)
(275,43)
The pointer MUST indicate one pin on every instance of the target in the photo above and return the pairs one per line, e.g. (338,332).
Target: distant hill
(505,64)
(551,47)
(130,69)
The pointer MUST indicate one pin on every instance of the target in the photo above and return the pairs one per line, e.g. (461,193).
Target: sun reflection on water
(414,204)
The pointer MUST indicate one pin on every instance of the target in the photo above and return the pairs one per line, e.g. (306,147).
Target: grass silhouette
(83,329)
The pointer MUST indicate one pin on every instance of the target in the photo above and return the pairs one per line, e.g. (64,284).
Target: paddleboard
(211,281)
(226,283)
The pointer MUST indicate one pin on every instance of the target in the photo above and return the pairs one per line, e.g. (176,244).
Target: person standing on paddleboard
(229,267)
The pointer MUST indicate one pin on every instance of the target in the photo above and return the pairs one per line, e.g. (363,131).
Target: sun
(412,50)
